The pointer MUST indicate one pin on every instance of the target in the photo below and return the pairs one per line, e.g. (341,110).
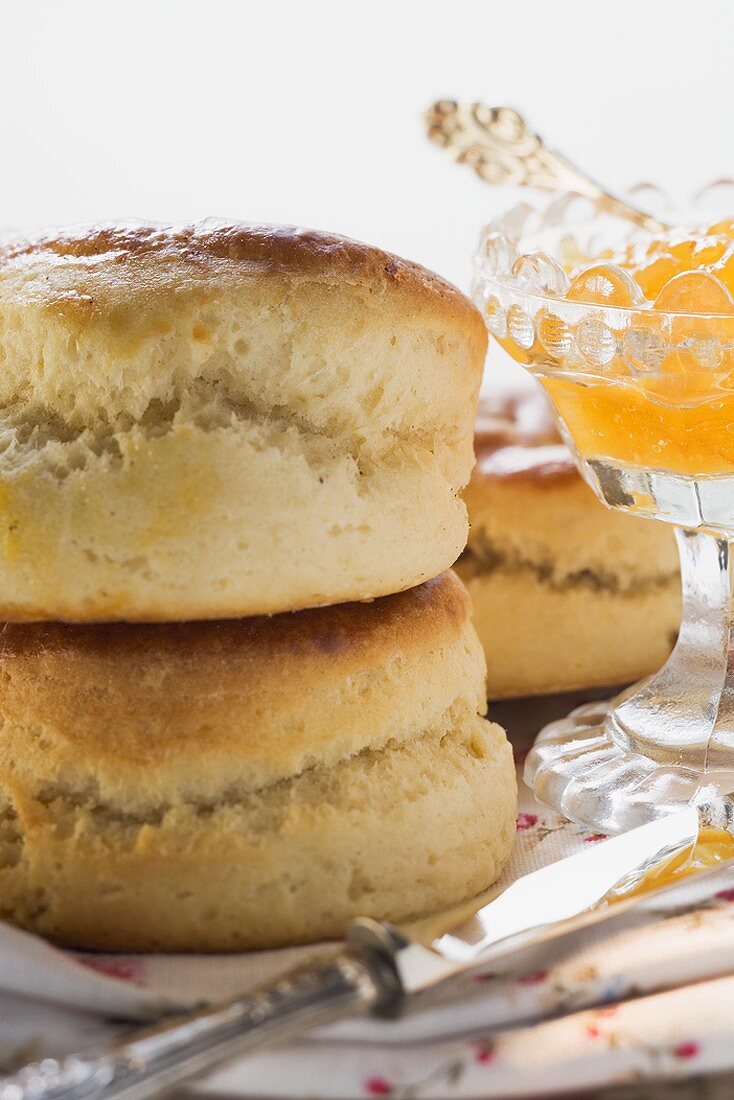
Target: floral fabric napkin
(647,999)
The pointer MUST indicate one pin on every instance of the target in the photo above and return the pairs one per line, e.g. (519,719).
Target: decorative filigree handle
(502,149)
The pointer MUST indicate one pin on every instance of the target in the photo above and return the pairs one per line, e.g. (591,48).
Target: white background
(310,112)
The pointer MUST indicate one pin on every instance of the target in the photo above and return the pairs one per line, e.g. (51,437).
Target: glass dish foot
(578,767)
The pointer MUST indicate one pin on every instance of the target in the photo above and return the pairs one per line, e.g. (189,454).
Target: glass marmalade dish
(632,337)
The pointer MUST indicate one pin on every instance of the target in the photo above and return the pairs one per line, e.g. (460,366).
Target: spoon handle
(502,149)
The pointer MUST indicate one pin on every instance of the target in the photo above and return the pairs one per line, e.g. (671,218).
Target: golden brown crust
(50,668)
(337,633)
(516,437)
(198,251)
(263,695)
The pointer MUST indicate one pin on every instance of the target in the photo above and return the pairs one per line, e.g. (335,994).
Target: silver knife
(382,969)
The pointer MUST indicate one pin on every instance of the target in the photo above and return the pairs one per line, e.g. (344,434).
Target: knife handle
(157,1058)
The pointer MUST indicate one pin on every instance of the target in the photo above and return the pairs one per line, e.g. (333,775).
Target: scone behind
(567,594)
(220,420)
(220,786)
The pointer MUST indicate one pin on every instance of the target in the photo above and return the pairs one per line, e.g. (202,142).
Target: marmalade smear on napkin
(665,399)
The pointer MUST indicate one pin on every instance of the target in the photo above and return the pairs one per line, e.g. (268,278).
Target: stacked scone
(206,430)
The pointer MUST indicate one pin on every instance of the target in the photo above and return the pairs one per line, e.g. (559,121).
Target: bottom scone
(252,783)
(567,594)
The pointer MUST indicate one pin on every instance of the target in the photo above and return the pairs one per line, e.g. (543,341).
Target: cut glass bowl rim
(525,245)
(508,286)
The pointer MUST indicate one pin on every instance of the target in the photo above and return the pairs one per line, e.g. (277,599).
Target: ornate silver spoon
(502,149)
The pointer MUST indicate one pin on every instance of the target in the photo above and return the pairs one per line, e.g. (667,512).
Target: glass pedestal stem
(668,740)
(684,714)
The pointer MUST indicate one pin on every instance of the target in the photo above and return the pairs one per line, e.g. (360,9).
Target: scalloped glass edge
(583,337)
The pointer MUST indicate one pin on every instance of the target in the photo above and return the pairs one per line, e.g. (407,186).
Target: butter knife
(383,969)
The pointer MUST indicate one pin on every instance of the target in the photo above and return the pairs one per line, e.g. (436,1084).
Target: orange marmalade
(665,399)
(714,846)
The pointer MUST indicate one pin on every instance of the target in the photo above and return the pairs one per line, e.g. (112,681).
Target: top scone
(222,420)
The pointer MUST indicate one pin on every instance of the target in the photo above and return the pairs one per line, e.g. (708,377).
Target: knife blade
(383,968)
